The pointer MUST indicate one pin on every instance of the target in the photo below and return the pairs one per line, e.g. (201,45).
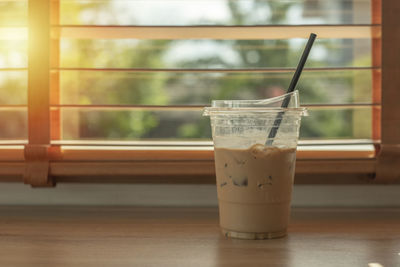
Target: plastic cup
(254,180)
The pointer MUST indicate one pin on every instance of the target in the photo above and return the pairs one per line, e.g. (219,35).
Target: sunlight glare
(20,33)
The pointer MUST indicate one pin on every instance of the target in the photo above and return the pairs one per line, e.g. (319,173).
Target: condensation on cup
(255,175)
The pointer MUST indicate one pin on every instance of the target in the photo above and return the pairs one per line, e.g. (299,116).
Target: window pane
(132,53)
(13,124)
(215,12)
(347,80)
(189,124)
(171,88)
(13,87)
(337,124)
(133,125)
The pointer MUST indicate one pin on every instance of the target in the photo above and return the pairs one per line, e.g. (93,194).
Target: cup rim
(209,111)
(259,106)
(258,103)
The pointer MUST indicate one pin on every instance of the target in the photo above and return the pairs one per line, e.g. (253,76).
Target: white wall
(190,195)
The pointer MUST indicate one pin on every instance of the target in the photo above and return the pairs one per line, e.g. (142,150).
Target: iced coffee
(254,173)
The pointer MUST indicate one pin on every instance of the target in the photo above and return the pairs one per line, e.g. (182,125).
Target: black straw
(291,88)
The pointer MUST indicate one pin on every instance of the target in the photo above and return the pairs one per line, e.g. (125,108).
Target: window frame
(41,163)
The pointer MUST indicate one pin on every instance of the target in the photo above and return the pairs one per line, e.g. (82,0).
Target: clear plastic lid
(274,104)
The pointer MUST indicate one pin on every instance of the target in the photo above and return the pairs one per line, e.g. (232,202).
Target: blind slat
(180,107)
(199,107)
(13,69)
(176,144)
(258,70)
(217,32)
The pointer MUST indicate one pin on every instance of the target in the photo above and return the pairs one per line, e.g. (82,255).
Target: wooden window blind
(112,91)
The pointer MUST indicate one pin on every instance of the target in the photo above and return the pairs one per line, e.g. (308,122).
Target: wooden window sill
(132,164)
(129,236)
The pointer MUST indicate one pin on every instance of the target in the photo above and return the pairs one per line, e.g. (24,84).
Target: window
(115,88)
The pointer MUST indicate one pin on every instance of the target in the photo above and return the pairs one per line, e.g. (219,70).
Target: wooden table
(129,236)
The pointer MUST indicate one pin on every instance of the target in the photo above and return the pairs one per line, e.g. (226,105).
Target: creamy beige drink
(254,190)
(254,180)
